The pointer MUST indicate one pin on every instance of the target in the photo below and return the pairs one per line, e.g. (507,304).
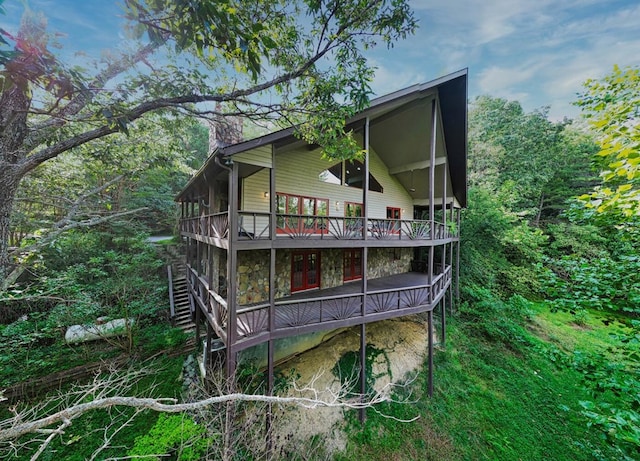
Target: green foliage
(497,320)
(490,402)
(597,283)
(533,164)
(160,378)
(85,275)
(177,436)
(613,381)
(612,106)
(498,250)
(155,338)
(348,367)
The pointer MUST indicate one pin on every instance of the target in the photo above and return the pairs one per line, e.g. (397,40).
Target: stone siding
(388,261)
(253,270)
(253,277)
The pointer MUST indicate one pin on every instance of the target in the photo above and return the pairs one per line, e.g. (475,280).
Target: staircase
(181,303)
(178,291)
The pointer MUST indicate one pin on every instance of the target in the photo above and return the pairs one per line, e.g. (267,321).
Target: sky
(537,52)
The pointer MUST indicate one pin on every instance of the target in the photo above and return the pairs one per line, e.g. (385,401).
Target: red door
(352,264)
(305,270)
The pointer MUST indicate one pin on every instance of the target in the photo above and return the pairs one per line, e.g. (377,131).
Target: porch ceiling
(402,139)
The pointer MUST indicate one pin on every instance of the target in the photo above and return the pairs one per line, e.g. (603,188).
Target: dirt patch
(404,342)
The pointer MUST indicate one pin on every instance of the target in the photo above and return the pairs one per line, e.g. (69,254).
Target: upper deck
(254,229)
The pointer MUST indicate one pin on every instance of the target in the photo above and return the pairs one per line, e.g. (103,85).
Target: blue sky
(537,52)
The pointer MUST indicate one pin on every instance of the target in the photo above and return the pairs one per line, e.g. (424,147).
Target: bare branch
(60,430)
(169,405)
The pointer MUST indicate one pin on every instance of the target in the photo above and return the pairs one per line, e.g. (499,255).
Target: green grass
(494,402)
(87,433)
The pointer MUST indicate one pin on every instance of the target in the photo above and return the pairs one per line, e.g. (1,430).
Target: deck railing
(256,226)
(254,319)
(214,305)
(295,313)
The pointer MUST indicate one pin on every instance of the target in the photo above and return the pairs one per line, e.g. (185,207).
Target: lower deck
(322,309)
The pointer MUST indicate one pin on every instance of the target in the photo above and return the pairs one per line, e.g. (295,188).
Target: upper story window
(349,173)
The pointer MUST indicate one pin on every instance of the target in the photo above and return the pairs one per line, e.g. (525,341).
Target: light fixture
(337,205)
(266,195)
(412,189)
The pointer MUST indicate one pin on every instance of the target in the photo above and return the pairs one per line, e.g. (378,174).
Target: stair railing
(172,307)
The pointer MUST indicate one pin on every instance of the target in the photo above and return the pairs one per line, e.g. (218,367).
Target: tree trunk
(8,188)
(14,105)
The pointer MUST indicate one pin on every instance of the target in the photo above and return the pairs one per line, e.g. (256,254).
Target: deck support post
(232,264)
(207,352)
(432,176)
(197,322)
(450,289)
(365,264)
(443,264)
(443,320)
(430,350)
(269,415)
(457,275)
(363,371)
(270,345)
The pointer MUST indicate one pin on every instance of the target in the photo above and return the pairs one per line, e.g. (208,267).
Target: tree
(612,107)
(523,147)
(306,55)
(535,164)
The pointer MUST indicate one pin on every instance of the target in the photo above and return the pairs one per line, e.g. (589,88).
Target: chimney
(224,130)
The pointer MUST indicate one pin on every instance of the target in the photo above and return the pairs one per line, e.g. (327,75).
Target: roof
(451,91)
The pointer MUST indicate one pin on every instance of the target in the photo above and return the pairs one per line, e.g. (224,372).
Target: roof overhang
(400,134)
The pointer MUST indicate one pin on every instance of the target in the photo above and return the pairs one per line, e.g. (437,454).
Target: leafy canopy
(612,106)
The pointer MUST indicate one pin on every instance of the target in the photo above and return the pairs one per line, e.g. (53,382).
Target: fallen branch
(170,405)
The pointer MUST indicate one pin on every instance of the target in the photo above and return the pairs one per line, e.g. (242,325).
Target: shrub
(176,435)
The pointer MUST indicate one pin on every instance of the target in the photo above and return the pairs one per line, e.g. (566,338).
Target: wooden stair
(178,290)
(182,305)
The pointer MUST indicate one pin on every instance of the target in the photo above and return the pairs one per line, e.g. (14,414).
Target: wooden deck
(299,230)
(325,309)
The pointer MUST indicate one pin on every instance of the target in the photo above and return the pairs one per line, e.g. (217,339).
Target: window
(353,175)
(293,209)
(394,213)
(332,175)
(352,264)
(352,210)
(305,270)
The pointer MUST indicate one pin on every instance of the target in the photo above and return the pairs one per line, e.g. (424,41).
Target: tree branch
(32,161)
(161,405)
(40,132)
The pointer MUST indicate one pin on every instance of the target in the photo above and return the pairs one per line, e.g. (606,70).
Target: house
(281,242)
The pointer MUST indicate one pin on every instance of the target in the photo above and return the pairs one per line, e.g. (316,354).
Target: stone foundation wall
(253,277)
(388,261)
(253,270)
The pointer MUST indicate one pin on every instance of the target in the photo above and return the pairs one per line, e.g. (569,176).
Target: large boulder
(92,332)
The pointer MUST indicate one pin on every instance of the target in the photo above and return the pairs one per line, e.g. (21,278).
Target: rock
(92,332)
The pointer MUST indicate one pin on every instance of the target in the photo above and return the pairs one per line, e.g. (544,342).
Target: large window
(305,270)
(349,173)
(352,264)
(297,213)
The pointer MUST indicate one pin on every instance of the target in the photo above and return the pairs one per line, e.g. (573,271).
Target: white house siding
(260,156)
(297,173)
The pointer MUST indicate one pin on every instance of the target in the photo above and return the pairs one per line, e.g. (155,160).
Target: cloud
(387,80)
